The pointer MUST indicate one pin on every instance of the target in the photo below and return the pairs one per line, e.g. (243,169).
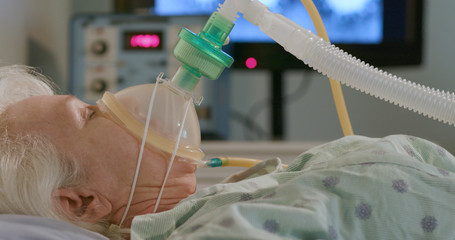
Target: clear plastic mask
(129,108)
(161,116)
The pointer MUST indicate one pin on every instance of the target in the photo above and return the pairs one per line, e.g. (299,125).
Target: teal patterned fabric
(397,187)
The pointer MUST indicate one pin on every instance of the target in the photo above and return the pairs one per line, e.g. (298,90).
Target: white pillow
(39,228)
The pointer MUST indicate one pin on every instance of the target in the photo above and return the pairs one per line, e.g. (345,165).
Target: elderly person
(72,164)
(57,162)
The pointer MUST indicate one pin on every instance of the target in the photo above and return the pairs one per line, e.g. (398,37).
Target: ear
(81,203)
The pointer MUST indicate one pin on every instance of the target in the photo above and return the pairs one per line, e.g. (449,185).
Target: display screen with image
(380,32)
(347,21)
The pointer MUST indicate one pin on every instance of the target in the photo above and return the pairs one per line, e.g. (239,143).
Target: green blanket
(398,187)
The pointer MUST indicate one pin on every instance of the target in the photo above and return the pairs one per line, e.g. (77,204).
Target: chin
(161,208)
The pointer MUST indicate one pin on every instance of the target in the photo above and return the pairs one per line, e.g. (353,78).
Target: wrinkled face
(106,151)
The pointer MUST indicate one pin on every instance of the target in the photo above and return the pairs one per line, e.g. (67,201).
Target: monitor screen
(347,21)
(381,32)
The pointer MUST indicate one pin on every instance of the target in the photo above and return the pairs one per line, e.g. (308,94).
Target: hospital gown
(397,187)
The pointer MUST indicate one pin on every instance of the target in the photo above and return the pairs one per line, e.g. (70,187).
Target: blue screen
(346,21)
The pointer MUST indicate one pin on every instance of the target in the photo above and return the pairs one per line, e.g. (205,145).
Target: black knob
(98,86)
(99,47)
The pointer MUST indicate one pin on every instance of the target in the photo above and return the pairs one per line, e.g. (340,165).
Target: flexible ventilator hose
(333,62)
(337,64)
(337,93)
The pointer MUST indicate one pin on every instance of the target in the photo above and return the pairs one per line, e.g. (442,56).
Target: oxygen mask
(162,116)
(172,112)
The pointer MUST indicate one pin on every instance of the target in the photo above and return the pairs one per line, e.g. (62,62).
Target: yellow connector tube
(340,104)
(239,162)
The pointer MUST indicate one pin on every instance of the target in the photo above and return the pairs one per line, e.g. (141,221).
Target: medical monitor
(380,32)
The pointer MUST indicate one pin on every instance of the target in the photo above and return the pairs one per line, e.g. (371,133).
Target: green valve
(186,77)
(201,54)
(215,162)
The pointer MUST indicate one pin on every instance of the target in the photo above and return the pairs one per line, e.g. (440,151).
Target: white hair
(31,168)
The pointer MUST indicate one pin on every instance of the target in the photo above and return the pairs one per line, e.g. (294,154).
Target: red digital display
(143,41)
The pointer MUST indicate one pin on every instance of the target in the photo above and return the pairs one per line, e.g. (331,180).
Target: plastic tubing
(337,93)
(253,11)
(234,162)
(238,162)
(337,64)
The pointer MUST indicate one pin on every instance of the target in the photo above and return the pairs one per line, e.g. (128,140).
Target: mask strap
(173,156)
(141,152)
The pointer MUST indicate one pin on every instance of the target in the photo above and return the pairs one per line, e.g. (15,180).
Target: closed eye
(91,112)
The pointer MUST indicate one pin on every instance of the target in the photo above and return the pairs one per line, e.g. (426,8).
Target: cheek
(153,164)
(106,132)
(111,147)
(122,152)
